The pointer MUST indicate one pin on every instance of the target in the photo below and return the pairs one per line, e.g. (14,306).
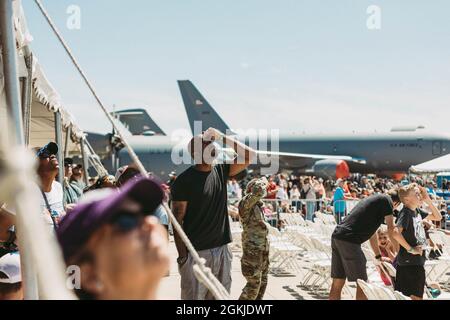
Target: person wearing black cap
(77,176)
(71,191)
(51,191)
(118,244)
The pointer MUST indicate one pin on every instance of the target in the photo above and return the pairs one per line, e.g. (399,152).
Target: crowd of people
(116,228)
(394,216)
(308,194)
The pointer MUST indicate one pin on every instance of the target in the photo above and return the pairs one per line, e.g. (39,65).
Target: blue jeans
(310,209)
(339,216)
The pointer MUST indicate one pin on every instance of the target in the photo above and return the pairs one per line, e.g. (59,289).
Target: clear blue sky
(299,65)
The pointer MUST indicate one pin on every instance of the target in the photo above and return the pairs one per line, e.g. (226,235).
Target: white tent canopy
(433,166)
(45,100)
(45,103)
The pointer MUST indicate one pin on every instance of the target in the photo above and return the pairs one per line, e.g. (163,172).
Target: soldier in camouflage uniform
(255,245)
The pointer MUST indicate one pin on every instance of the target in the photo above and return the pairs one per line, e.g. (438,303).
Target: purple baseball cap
(79,224)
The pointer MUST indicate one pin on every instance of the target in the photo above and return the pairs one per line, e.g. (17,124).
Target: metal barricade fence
(307,207)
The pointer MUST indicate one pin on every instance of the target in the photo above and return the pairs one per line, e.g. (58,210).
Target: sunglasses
(43,155)
(126,221)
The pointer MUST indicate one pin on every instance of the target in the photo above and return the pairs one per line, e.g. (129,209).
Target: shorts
(410,280)
(347,261)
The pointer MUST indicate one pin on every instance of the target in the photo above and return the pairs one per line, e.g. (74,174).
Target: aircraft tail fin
(198,108)
(138,122)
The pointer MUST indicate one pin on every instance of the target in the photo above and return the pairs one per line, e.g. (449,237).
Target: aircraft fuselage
(384,153)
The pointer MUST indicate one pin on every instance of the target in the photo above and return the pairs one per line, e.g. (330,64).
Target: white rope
(93,158)
(202,273)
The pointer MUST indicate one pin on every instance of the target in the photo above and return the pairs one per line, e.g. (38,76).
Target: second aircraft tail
(198,109)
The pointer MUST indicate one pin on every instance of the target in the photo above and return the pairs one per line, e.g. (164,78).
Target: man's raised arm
(257,191)
(435,215)
(245,154)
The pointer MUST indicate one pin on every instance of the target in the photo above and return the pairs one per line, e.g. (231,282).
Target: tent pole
(15,113)
(26,94)
(113,161)
(96,163)
(66,143)
(85,161)
(117,159)
(10,68)
(58,139)
(23,89)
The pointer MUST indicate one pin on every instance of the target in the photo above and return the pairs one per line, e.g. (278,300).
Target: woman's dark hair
(127,175)
(98,184)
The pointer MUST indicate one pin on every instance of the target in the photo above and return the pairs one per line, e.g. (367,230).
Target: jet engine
(329,168)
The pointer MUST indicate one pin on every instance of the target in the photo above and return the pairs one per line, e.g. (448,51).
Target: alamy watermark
(373,21)
(264,142)
(73,280)
(73,21)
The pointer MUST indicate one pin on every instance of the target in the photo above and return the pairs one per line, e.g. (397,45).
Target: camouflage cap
(257,185)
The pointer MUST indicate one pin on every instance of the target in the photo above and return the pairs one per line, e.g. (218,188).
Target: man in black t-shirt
(347,259)
(199,203)
(410,234)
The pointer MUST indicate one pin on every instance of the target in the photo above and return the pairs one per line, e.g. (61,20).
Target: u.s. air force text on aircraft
(232,309)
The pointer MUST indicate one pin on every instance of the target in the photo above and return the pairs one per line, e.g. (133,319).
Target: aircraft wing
(304,160)
(295,155)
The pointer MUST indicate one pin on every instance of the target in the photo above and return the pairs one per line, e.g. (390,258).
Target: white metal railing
(340,209)
(307,206)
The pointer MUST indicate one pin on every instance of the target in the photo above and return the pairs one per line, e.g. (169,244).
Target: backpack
(304,193)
